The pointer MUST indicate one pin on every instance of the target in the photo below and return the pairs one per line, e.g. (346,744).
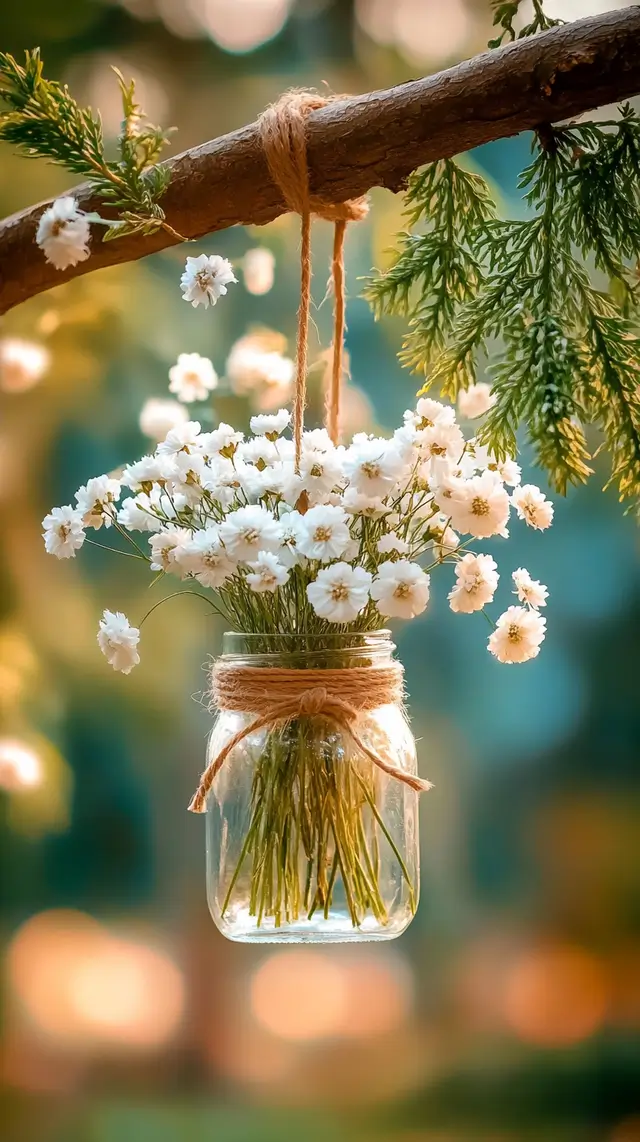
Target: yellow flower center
(402,591)
(322,534)
(339,592)
(479,506)
(514,633)
(316,470)
(371,469)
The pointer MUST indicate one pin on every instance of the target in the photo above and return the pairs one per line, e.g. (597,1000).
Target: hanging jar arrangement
(307,548)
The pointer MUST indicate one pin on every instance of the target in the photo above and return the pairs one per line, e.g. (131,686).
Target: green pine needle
(43,120)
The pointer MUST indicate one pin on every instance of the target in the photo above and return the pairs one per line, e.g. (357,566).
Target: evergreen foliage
(531,294)
(43,120)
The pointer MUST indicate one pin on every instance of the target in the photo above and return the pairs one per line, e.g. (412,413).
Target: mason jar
(308,840)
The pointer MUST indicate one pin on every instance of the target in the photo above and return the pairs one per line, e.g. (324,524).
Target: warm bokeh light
(556,995)
(303,995)
(241,25)
(20,766)
(84,987)
(422,32)
(258,267)
(626,1131)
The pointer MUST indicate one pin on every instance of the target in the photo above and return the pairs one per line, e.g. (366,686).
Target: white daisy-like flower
(320,471)
(529,590)
(22,364)
(323,532)
(63,233)
(373,467)
(249,530)
(184,437)
(288,552)
(158,417)
(259,450)
(518,635)
(506,470)
(188,477)
(475,401)
(96,500)
(476,583)
(359,503)
(400,589)
(223,441)
(339,592)
(205,558)
(271,425)
(533,506)
(441,442)
(258,266)
(251,368)
(149,470)
(137,514)
(392,543)
(205,279)
(478,506)
(166,547)
(63,532)
(118,641)
(192,378)
(429,412)
(267,573)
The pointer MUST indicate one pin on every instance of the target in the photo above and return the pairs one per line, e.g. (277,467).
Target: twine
(276,696)
(284,140)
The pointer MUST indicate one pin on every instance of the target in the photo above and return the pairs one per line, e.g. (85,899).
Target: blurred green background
(511,1009)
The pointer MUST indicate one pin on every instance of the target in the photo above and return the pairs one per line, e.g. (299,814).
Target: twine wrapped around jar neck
(277,695)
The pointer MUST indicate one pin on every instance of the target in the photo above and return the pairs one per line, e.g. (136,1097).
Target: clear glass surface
(307,839)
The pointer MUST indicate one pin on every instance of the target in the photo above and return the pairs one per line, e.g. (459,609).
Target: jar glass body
(307,839)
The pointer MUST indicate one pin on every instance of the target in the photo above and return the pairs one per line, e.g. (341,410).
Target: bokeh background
(511,1008)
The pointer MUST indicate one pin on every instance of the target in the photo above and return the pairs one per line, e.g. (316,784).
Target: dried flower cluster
(341,542)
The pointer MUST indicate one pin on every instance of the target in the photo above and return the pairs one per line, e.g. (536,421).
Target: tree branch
(365,141)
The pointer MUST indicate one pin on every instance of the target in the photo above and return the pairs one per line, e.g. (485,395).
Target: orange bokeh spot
(556,995)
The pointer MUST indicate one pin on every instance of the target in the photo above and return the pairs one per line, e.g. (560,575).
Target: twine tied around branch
(277,696)
(284,140)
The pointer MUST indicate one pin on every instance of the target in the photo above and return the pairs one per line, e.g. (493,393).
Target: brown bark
(365,141)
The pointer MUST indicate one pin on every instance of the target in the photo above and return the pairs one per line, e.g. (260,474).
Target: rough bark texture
(365,141)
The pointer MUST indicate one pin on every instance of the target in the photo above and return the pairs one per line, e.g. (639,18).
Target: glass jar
(307,839)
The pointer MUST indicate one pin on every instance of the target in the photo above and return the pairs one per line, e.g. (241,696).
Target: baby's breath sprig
(43,120)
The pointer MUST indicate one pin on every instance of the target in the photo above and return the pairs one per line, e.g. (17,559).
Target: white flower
(476,583)
(400,589)
(475,401)
(205,279)
(320,471)
(271,425)
(148,471)
(373,467)
(323,533)
(166,548)
(533,506)
(22,364)
(206,558)
(518,635)
(258,450)
(250,530)
(339,592)
(138,514)
(118,641)
(184,437)
(288,552)
(267,573)
(63,532)
(188,476)
(358,503)
(253,365)
(392,543)
(63,233)
(95,501)
(479,506)
(192,378)
(507,470)
(441,441)
(223,441)
(429,412)
(529,590)
(158,417)
(258,270)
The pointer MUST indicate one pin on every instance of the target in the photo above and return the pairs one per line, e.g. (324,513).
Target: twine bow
(278,696)
(284,140)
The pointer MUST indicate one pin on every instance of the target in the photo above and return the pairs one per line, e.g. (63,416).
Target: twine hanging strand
(275,696)
(284,140)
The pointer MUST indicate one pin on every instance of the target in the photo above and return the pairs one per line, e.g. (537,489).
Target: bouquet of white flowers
(316,554)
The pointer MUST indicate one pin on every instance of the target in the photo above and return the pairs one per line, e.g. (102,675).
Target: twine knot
(283,135)
(276,696)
